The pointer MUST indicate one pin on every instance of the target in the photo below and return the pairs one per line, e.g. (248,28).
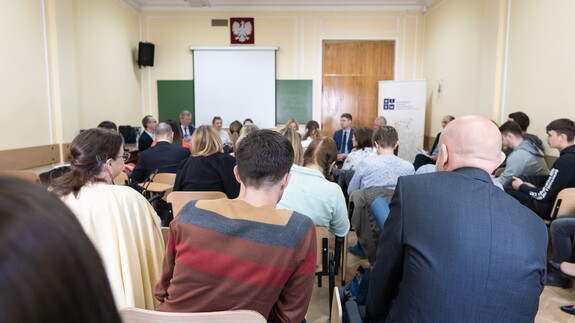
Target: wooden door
(351,70)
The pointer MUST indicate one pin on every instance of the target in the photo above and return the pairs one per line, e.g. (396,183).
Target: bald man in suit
(456,248)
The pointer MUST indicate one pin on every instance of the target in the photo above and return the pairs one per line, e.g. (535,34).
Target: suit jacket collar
(162,143)
(475,173)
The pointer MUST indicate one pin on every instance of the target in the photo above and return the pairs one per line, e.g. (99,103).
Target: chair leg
(338,253)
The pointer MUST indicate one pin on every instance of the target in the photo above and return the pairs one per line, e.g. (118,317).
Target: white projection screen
(235,83)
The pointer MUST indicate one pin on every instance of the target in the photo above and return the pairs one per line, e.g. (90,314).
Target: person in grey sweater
(525,159)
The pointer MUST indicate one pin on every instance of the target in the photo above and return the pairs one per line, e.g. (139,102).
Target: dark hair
(236,126)
(146,120)
(563,127)
(108,125)
(521,118)
(177,131)
(511,127)
(88,153)
(363,137)
(386,136)
(248,119)
(216,118)
(322,152)
(311,129)
(451,118)
(263,158)
(346,115)
(50,271)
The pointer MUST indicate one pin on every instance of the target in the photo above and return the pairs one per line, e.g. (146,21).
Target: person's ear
(237,174)
(285,180)
(442,158)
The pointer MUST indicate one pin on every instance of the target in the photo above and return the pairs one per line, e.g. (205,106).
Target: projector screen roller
(235,83)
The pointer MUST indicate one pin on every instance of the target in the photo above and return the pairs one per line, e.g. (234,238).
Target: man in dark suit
(343,136)
(455,248)
(147,137)
(164,156)
(186,125)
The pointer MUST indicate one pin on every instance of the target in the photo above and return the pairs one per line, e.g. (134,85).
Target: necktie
(344,143)
(185,131)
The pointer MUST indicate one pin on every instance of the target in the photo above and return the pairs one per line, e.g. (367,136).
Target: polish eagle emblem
(242,30)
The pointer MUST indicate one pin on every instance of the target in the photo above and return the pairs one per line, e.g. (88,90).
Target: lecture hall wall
(68,64)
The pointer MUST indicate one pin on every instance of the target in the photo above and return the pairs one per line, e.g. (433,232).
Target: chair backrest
(165,178)
(336,309)
(564,203)
(26,175)
(179,199)
(322,236)
(121,179)
(138,315)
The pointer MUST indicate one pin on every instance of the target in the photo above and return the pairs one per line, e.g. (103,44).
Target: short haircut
(185,113)
(293,137)
(511,127)
(163,129)
(51,271)
(248,119)
(322,152)
(451,118)
(563,127)
(263,158)
(346,115)
(521,118)
(246,130)
(386,136)
(363,137)
(146,120)
(215,119)
(381,118)
(108,125)
(206,141)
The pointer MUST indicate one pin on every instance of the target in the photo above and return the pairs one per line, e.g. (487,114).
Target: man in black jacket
(541,195)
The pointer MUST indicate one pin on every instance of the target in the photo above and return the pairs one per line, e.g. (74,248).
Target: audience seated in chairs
(362,148)
(312,194)
(49,269)
(208,169)
(243,253)
(178,140)
(293,138)
(540,196)
(120,222)
(312,131)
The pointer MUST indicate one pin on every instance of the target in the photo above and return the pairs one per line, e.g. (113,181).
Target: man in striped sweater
(243,253)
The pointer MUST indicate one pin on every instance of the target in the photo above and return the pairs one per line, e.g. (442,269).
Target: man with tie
(147,137)
(343,136)
(185,125)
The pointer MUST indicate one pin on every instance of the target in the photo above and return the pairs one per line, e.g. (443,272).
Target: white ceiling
(339,5)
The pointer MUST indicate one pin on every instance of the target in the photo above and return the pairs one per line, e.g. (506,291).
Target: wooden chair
(179,199)
(121,179)
(26,175)
(162,183)
(336,315)
(138,315)
(564,203)
(322,266)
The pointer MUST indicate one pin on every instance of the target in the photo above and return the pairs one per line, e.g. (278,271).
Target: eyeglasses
(125,156)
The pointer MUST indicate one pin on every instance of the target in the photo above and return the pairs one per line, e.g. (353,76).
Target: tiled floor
(551,298)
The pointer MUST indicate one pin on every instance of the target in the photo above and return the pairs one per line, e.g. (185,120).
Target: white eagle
(242,30)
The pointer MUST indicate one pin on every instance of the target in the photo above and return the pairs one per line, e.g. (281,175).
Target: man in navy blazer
(456,248)
(186,125)
(164,156)
(147,137)
(343,137)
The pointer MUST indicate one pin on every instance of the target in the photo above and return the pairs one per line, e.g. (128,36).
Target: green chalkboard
(174,97)
(293,100)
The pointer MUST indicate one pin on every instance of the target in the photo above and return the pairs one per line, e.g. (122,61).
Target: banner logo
(388,104)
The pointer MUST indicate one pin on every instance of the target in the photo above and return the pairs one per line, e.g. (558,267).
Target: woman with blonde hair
(311,193)
(293,137)
(293,124)
(119,221)
(246,130)
(208,169)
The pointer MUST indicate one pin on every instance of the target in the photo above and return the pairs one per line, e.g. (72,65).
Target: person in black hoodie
(539,196)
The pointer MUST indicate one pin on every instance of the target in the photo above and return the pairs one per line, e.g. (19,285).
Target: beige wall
(68,64)
(298,35)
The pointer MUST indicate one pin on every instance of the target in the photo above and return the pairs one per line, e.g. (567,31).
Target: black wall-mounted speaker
(146,54)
